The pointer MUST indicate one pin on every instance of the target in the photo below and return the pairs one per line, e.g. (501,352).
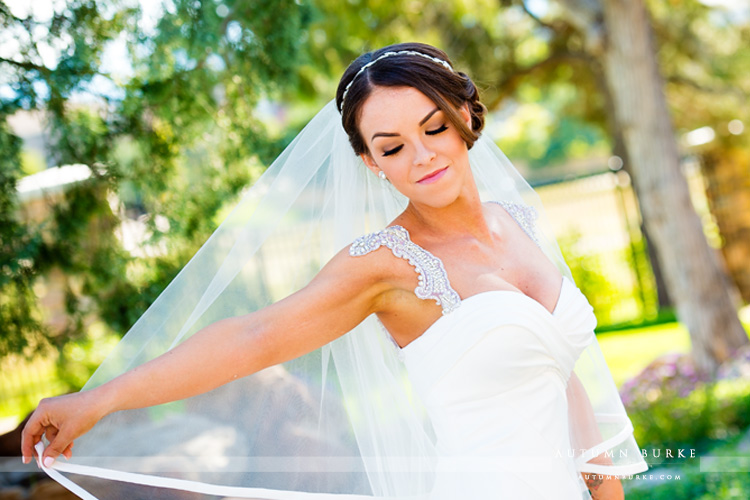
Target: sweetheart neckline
(460,299)
(489,292)
(445,272)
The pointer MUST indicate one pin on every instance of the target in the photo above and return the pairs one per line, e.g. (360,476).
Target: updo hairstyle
(449,90)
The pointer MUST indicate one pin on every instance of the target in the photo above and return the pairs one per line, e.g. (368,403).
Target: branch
(586,17)
(514,78)
(28,66)
(536,18)
(681,80)
(27,22)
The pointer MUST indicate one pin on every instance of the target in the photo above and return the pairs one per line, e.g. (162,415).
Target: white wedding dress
(492,375)
(484,397)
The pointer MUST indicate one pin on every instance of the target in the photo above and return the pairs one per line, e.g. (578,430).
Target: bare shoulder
(512,210)
(517,214)
(370,263)
(360,264)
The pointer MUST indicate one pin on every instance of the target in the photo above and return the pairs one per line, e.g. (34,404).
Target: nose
(423,154)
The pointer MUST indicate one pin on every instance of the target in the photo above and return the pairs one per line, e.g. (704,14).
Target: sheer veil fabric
(340,422)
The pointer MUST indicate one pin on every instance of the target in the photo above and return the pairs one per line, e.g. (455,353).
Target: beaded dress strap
(524,215)
(433,280)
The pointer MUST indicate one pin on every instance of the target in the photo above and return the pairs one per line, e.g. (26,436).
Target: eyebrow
(394,134)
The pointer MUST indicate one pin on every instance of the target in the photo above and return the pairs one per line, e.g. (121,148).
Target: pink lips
(429,179)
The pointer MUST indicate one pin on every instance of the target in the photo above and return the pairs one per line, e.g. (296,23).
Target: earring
(382,176)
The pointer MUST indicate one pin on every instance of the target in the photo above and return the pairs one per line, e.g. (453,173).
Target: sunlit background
(129,129)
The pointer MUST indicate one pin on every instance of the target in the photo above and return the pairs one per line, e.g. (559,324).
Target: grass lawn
(629,351)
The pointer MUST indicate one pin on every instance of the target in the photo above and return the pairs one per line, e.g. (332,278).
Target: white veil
(340,422)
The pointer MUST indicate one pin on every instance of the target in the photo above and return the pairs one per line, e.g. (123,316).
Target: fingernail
(48,461)
(25,459)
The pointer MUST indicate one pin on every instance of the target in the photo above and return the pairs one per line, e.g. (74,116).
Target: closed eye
(443,128)
(393,151)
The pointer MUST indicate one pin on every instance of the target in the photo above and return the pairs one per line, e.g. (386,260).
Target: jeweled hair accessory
(441,62)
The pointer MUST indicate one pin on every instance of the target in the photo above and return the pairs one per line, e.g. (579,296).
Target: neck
(464,217)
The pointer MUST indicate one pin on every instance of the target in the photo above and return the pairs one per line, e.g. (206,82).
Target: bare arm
(602,487)
(343,294)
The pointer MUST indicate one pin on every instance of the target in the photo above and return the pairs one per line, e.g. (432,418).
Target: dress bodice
(492,373)
(493,376)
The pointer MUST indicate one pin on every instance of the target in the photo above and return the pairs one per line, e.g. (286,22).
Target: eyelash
(442,128)
(395,150)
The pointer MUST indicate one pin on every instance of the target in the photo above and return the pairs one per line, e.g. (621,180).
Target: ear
(370,163)
(465,114)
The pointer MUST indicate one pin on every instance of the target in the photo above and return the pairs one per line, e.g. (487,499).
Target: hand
(62,419)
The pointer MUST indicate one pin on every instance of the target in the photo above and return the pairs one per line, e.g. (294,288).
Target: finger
(31,435)
(68,453)
(56,448)
(50,433)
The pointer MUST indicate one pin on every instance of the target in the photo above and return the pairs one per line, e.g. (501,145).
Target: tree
(176,138)
(618,34)
(180,136)
(580,44)
(55,57)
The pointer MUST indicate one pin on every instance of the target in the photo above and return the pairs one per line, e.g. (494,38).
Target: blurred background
(129,129)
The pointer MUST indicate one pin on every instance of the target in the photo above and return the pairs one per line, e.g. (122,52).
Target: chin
(436,200)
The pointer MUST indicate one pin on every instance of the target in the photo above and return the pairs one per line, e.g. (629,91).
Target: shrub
(695,485)
(672,405)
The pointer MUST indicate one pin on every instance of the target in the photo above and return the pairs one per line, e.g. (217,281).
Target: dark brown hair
(449,90)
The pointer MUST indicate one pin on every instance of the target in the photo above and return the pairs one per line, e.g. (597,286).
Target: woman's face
(415,144)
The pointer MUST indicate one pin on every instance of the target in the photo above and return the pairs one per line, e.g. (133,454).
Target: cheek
(456,147)
(459,141)
(396,168)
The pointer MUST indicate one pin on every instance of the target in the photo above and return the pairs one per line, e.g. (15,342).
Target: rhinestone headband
(441,62)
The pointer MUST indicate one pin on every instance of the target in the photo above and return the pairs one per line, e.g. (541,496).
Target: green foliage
(696,485)
(77,32)
(629,350)
(671,406)
(638,260)
(670,392)
(591,277)
(177,139)
(617,303)
(22,330)
(703,53)
(189,116)
(180,136)
(540,134)
(78,358)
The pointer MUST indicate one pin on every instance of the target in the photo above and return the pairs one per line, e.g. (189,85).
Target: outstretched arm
(343,294)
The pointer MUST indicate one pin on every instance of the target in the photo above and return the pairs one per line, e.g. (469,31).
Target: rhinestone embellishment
(433,280)
(524,215)
(445,64)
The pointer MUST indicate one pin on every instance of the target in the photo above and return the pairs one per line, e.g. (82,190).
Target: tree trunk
(692,270)
(619,149)
(727,173)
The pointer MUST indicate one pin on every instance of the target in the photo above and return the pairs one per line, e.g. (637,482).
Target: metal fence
(598,226)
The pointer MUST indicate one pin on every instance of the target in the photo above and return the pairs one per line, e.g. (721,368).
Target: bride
(443,352)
